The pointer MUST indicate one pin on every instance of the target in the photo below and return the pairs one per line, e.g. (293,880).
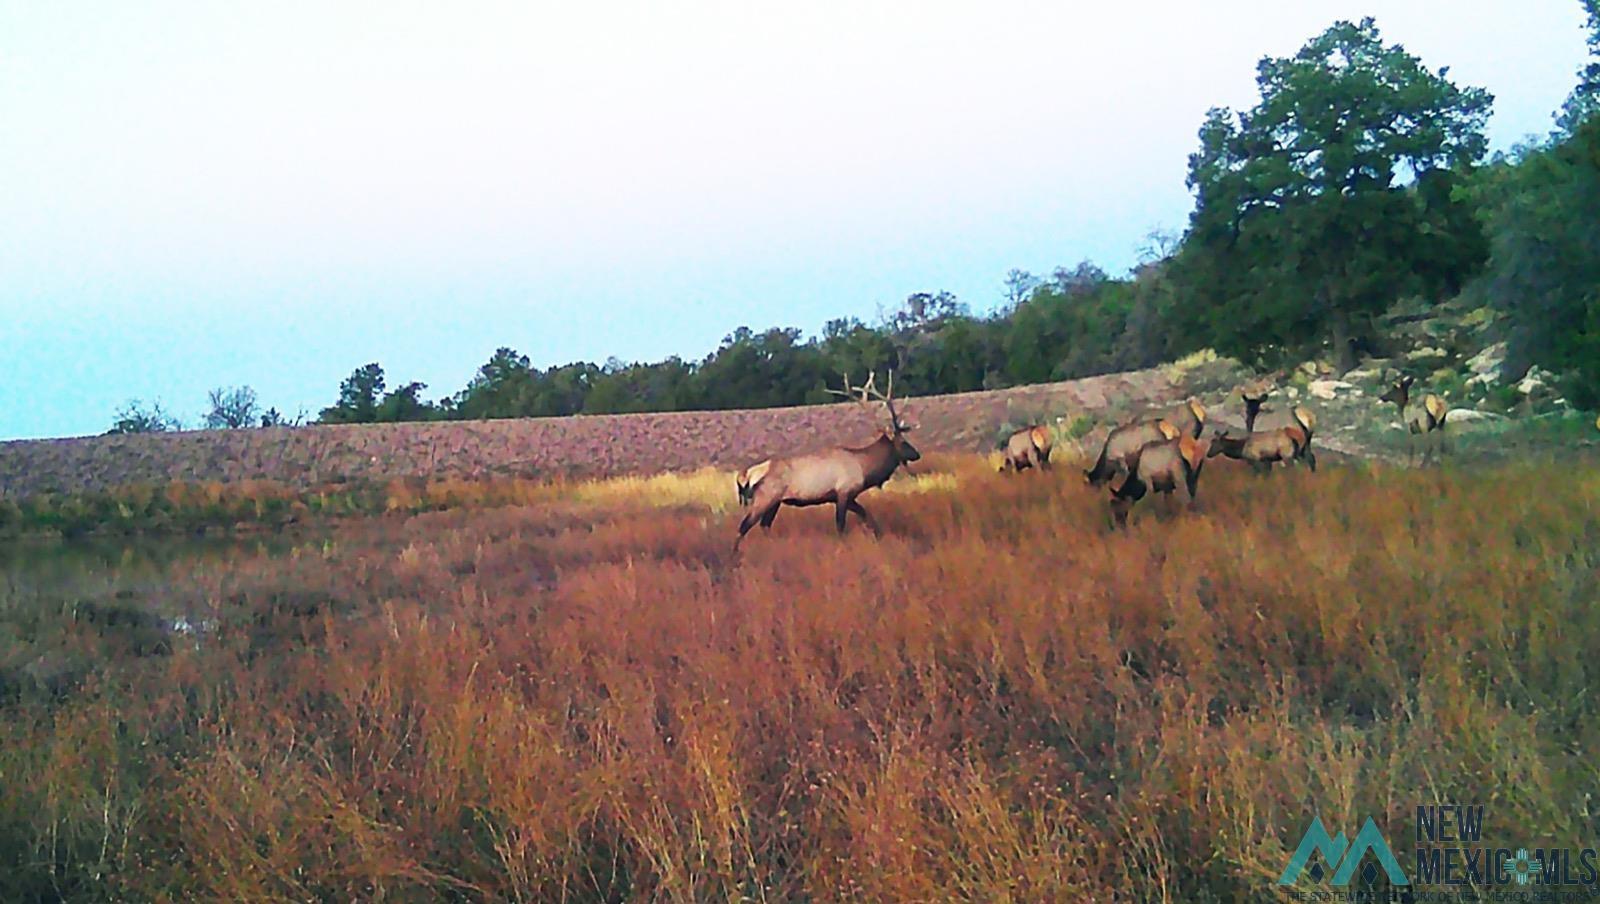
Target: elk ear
(1198,409)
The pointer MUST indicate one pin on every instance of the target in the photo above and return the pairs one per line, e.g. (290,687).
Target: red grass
(1000,700)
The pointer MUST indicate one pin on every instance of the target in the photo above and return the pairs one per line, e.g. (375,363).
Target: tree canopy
(1313,208)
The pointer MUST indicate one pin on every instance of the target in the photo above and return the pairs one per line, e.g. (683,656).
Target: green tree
(922,310)
(404,404)
(136,417)
(1019,286)
(1585,98)
(358,397)
(503,387)
(231,409)
(663,386)
(764,370)
(562,390)
(1308,220)
(1544,267)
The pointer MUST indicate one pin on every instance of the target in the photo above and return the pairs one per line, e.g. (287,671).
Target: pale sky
(199,194)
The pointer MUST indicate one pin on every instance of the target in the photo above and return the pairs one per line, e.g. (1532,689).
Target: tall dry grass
(1001,700)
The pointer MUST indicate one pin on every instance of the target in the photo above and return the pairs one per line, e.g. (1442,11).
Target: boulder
(1328,390)
(1488,361)
(1533,381)
(1467,415)
(1427,353)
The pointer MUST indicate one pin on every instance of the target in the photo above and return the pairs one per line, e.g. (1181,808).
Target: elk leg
(1311,459)
(867,517)
(839,511)
(1119,513)
(764,516)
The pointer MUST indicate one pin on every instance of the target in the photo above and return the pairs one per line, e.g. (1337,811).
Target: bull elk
(1288,445)
(1026,448)
(1162,466)
(835,475)
(1124,442)
(746,480)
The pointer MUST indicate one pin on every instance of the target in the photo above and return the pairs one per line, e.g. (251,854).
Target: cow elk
(1162,466)
(1288,445)
(1399,394)
(1026,448)
(1124,442)
(836,475)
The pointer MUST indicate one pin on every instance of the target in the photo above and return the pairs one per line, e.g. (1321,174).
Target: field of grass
(581,694)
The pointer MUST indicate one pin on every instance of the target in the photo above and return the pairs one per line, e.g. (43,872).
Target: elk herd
(1160,453)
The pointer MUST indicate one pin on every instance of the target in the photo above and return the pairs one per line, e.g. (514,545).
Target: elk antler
(888,402)
(851,392)
(868,391)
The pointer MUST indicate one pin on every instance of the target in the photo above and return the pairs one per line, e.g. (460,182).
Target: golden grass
(1177,369)
(708,488)
(587,699)
(713,489)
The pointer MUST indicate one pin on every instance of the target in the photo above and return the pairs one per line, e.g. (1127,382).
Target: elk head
(895,433)
(1223,443)
(1399,393)
(1252,406)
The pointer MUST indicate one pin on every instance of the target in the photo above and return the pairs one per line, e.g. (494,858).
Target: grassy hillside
(603,445)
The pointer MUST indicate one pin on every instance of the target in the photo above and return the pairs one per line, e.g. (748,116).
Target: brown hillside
(594,445)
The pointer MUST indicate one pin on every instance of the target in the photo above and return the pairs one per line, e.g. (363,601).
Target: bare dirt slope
(597,445)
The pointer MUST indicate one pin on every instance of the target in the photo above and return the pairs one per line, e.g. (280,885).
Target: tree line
(1358,181)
